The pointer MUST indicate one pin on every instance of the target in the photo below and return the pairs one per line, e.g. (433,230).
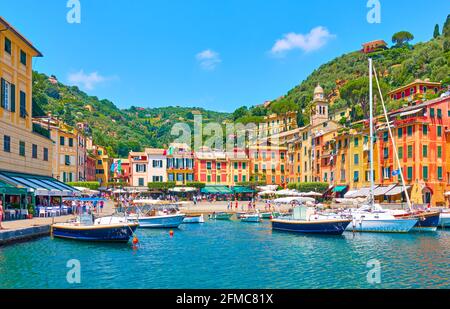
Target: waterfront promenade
(19,230)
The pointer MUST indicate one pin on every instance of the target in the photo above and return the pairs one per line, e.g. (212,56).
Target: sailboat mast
(371,196)
(394,148)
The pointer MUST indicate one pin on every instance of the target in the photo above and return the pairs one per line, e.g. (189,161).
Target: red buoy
(135,240)
(171,233)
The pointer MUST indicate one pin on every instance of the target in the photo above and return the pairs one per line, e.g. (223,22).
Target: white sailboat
(371,217)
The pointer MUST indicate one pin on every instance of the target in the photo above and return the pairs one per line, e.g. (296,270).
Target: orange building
(268,163)
(418,89)
(374,46)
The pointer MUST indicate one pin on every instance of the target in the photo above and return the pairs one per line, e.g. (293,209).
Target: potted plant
(30,212)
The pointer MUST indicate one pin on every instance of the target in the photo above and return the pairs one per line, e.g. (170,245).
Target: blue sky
(218,54)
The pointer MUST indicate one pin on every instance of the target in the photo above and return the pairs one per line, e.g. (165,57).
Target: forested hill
(119,130)
(345,81)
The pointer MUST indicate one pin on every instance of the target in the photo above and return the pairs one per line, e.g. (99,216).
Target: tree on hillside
(401,38)
(436,32)
(356,92)
(446,28)
(283,107)
(240,112)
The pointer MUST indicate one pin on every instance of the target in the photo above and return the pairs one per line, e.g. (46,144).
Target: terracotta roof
(417,81)
(154,151)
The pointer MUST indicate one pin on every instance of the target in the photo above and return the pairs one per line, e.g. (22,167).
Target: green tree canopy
(436,32)
(402,38)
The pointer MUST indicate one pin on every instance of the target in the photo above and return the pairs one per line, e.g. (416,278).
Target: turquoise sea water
(233,255)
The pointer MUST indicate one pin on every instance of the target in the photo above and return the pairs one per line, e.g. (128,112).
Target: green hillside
(344,79)
(344,76)
(119,130)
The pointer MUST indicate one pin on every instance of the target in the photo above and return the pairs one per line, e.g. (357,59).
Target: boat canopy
(39,185)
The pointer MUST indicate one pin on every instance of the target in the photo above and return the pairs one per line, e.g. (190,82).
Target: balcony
(38,129)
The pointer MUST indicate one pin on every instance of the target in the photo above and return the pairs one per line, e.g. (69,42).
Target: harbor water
(232,254)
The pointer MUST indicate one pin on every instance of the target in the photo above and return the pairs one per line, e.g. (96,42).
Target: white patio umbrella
(289,200)
(119,191)
(267,192)
(311,193)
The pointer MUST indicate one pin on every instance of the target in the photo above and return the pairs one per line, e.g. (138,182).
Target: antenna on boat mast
(408,201)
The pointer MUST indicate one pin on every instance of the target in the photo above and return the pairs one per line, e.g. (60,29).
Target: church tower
(319,109)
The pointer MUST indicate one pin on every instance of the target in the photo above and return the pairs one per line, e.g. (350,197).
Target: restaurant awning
(216,190)
(363,192)
(382,190)
(239,190)
(39,185)
(397,190)
(10,190)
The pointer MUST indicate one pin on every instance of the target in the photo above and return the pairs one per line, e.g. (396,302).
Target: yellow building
(268,163)
(180,163)
(23,148)
(69,157)
(102,165)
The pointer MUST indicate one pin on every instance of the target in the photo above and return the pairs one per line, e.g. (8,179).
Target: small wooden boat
(253,218)
(270,215)
(101,230)
(239,215)
(193,219)
(304,221)
(221,216)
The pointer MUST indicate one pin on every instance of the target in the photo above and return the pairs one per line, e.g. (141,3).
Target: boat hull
(325,227)
(428,222)
(155,222)
(382,226)
(112,233)
(444,220)
(193,219)
(251,219)
(221,216)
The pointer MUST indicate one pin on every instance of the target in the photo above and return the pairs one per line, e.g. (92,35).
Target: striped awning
(397,190)
(39,185)
(382,190)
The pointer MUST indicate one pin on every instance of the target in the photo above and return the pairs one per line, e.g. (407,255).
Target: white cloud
(88,81)
(208,59)
(314,40)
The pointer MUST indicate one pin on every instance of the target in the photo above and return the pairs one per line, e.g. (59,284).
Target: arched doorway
(426,195)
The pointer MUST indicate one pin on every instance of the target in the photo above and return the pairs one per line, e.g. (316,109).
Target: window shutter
(2,99)
(13,98)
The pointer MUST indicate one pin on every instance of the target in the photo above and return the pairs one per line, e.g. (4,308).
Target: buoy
(171,233)
(135,240)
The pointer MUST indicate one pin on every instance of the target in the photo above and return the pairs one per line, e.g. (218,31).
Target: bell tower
(319,109)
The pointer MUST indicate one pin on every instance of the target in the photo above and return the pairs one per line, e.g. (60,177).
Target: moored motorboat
(444,220)
(189,219)
(253,218)
(379,222)
(156,214)
(270,215)
(428,221)
(304,220)
(221,216)
(101,230)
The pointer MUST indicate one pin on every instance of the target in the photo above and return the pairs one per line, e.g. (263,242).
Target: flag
(113,167)
(396,173)
(119,166)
